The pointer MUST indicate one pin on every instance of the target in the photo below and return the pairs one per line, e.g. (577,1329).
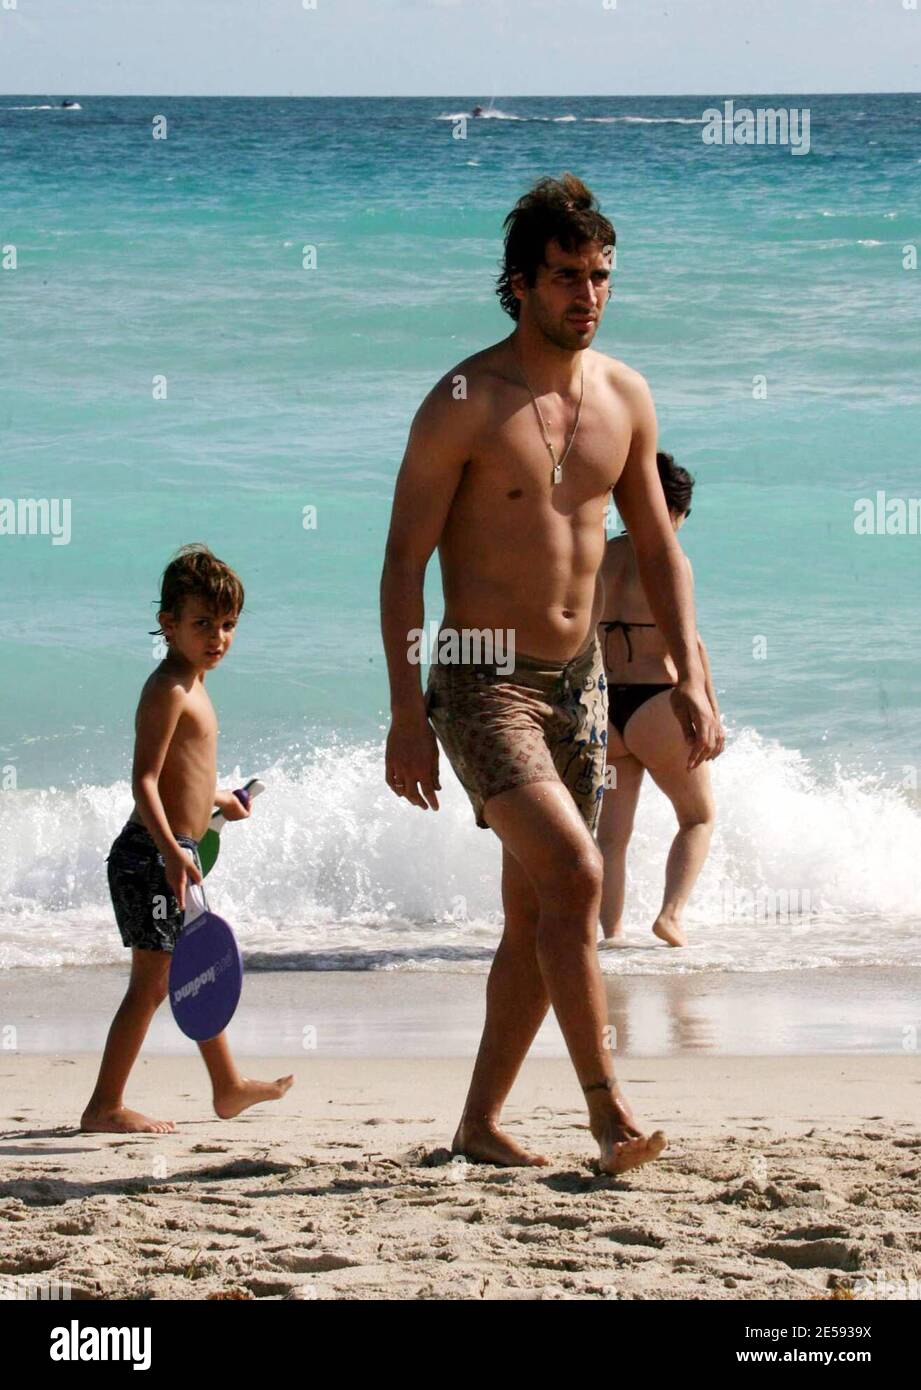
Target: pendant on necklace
(557,472)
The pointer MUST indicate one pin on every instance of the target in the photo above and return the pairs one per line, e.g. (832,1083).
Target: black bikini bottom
(624,700)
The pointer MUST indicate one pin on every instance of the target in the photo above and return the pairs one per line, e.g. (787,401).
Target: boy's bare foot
(622,1144)
(120,1120)
(485,1143)
(669,930)
(246,1093)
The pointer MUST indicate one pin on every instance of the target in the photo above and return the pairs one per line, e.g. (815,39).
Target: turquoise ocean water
(291,387)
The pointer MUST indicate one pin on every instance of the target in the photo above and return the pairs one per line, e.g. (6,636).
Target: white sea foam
(497,115)
(645,120)
(333,872)
(493,115)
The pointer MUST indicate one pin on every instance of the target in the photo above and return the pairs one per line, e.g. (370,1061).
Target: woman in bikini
(644,734)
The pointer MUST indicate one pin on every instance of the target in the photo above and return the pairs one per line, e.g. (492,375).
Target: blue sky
(488,48)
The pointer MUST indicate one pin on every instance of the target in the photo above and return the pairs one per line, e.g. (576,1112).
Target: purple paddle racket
(206,972)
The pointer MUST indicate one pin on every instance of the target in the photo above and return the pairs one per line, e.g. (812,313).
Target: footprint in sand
(812,1254)
(635,1235)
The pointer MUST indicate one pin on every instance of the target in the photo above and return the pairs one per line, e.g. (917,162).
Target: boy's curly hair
(194,571)
(564,209)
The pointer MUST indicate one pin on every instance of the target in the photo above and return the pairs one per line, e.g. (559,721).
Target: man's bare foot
(614,942)
(669,930)
(240,1097)
(622,1144)
(118,1119)
(617,1155)
(485,1143)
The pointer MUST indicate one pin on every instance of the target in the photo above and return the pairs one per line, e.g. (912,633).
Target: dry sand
(784,1178)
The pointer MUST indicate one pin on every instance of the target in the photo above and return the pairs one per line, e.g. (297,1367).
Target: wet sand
(409,1013)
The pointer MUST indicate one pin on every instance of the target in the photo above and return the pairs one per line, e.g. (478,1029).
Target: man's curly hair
(564,209)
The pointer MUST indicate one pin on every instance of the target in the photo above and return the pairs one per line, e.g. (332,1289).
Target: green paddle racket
(210,845)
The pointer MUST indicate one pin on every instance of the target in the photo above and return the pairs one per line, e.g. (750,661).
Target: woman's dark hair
(563,209)
(677,484)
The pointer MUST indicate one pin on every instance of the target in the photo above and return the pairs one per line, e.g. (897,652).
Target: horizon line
(443,96)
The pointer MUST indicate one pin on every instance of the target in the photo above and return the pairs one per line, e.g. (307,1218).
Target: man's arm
(711,696)
(708,675)
(705,660)
(664,573)
(433,463)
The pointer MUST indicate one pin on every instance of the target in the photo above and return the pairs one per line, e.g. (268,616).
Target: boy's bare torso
(518,552)
(188,777)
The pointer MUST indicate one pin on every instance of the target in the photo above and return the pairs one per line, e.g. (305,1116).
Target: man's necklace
(557,463)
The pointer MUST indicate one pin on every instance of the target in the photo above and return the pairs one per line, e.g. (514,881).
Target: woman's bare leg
(623,778)
(654,736)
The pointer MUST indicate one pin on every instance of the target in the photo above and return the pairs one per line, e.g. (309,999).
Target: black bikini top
(625,629)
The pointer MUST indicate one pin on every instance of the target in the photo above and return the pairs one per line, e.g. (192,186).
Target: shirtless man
(510,479)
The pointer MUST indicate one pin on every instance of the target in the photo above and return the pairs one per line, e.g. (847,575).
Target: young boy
(155,856)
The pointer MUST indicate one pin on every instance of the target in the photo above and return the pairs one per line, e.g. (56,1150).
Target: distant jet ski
(71,105)
(477,111)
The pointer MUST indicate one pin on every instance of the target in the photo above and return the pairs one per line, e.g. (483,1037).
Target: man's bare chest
(513,456)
